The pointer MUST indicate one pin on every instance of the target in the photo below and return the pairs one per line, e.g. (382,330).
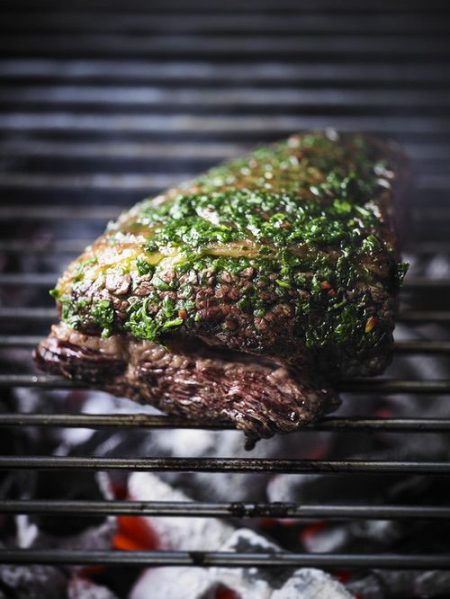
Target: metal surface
(132,421)
(228,559)
(225,510)
(224,465)
(102,104)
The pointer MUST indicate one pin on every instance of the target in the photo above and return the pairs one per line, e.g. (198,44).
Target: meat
(246,294)
(191,380)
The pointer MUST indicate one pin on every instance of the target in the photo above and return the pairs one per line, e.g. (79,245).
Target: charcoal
(32,582)
(371,585)
(74,532)
(310,583)
(273,583)
(398,584)
(354,535)
(229,486)
(248,583)
(70,486)
(175,583)
(82,588)
(247,580)
(433,583)
(177,533)
(93,538)
(251,582)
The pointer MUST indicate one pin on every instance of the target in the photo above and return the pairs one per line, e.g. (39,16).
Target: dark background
(102,103)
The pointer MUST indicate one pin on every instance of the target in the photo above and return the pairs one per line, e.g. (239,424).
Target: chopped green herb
(144,267)
(103,314)
(170,324)
(140,324)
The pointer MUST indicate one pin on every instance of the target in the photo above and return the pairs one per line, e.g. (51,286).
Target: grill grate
(102,104)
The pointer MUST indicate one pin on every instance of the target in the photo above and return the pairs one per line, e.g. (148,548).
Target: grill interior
(104,103)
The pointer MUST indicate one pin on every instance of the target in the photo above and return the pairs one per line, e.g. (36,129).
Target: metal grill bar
(201,72)
(16,315)
(133,421)
(205,152)
(203,23)
(305,48)
(283,7)
(61,247)
(388,386)
(145,183)
(224,510)
(237,125)
(154,97)
(224,465)
(207,559)
(58,213)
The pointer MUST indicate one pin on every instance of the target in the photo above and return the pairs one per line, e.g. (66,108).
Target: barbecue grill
(104,103)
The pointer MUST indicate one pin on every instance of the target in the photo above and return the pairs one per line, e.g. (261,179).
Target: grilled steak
(246,294)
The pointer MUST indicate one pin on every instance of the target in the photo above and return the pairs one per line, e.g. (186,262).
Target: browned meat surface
(246,294)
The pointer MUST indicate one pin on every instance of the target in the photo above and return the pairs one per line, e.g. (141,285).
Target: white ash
(104,483)
(92,538)
(206,486)
(327,540)
(382,531)
(247,583)
(175,583)
(206,534)
(273,583)
(250,582)
(310,583)
(81,588)
(26,531)
(189,534)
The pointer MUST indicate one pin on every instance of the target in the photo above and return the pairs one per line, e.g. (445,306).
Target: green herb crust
(286,251)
